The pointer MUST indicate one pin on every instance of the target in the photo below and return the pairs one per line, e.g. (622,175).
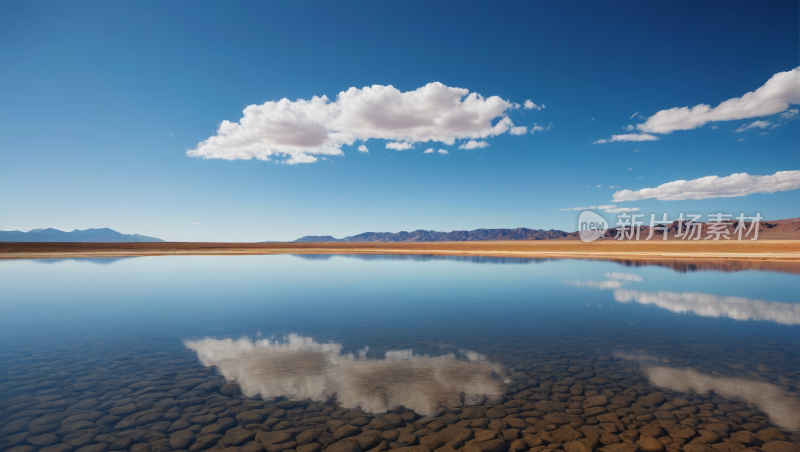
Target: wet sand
(711,251)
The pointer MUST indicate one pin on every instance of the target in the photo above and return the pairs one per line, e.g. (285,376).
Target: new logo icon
(591,226)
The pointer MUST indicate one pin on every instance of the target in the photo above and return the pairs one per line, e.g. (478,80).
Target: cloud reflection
(777,403)
(602,285)
(708,305)
(303,368)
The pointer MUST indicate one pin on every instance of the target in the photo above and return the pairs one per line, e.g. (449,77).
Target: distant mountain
(318,238)
(788,229)
(435,236)
(87,235)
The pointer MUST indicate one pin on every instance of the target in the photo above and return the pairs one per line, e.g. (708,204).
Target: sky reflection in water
(346,324)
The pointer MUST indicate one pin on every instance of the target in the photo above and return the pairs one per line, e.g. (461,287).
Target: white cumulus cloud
(773,97)
(628,137)
(472,144)
(740,184)
(623,210)
(754,125)
(363,148)
(298,130)
(429,151)
(790,114)
(442,151)
(399,146)
(531,106)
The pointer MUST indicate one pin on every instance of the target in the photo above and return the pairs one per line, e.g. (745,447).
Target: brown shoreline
(766,250)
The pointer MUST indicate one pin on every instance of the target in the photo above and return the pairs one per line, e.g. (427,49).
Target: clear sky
(106,108)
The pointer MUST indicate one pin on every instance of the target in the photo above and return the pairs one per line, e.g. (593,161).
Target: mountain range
(86,235)
(422,235)
(774,229)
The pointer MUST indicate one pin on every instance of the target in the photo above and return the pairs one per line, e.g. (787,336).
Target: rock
(252,446)
(123,409)
(343,446)
(241,436)
(346,431)
(229,390)
(471,413)
(270,438)
(576,446)
(496,413)
(745,437)
(121,444)
(141,447)
(22,448)
(708,437)
(654,398)
(205,441)
(649,444)
(379,424)
(252,416)
(558,418)
(620,447)
(367,442)
(102,447)
(43,440)
(390,435)
(697,446)
(563,434)
(510,434)
(181,439)
(306,437)
(770,434)
(779,446)
(57,448)
(485,435)
(548,405)
(679,431)
(362,421)
(493,445)
(406,440)
(15,426)
(81,440)
(311,447)
(651,430)
(595,401)
(395,419)
(432,442)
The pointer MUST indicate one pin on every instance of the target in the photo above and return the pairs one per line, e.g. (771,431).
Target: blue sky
(100,102)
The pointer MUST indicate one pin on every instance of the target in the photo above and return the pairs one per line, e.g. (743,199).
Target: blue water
(741,325)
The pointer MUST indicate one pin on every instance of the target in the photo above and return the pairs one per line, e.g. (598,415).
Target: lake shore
(766,250)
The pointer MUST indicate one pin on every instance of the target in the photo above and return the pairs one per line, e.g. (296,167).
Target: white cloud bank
(363,148)
(628,137)
(302,368)
(299,130)
(775,96)
(740,184)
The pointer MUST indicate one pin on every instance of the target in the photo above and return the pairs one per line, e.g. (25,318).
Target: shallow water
(151,354)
